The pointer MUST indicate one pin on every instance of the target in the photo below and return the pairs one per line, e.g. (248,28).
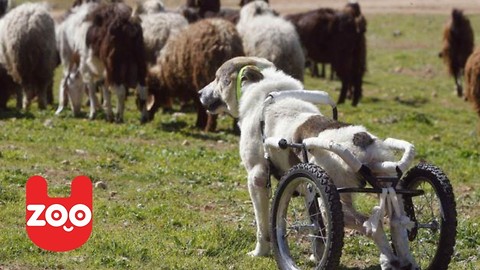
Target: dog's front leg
(257,187)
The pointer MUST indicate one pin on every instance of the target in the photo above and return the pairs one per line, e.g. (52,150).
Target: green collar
(239,81)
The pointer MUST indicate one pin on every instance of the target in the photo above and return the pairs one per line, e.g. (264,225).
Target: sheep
(244,2)
(266,35)
(152,7)
(338,38)
(157,28)
(9,88)
(28,52)
(457,46)
(4,6)
(195,10)
(472,80)
(115,46)
(68,45)
(189,61)
(109,42)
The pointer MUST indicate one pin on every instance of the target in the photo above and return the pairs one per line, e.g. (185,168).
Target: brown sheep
(336,37)
(472,80)
(189,61)
(457,46)
(116,39)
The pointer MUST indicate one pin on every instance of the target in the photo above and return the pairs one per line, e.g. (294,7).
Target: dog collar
(239,81)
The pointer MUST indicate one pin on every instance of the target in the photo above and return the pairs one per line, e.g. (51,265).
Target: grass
(176,197)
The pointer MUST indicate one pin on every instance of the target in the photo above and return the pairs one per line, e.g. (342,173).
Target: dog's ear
(251,74)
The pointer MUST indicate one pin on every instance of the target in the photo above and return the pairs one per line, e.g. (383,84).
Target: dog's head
(223,94)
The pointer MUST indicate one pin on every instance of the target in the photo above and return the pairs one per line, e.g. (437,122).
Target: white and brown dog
(239,89)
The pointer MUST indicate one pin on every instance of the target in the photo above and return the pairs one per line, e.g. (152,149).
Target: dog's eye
(226,81)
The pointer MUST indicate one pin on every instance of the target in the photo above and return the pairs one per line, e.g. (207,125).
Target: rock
(100,184)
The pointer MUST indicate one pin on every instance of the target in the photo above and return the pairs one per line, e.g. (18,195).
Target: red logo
(59,224)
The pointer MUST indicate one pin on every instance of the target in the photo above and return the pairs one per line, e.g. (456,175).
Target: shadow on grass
(413,102)
(13,113)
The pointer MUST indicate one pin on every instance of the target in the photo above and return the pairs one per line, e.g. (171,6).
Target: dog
(239,89)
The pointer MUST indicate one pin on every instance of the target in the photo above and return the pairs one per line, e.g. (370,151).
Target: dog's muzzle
(209,100)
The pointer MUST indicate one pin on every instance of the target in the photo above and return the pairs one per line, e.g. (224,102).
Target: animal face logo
(59,224)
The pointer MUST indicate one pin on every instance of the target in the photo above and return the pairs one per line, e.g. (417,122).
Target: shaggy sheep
(28,52)
(157,28)
(336,37)
(109,43)
(189,61)
(195,10)
(152,7)
(115,51)
(266,35)
(68,45)
(472,80)
(457,46)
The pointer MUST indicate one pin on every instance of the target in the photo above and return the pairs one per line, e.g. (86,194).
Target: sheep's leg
(357,91)
(62,96)
(75,95)
(142,103)
(42,97)
(458,84)
(93,100)
(354,220)
(257,187)
(322,73)
(19,93)
(202,117)
(107,103)
(27,99)
(343,92)
(121,95)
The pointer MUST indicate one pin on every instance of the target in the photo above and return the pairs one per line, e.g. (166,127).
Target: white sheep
(157,28)
(152,6)
(68,47)
(266,35)
(28,51)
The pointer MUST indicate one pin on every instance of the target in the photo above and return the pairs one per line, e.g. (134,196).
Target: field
(176,197)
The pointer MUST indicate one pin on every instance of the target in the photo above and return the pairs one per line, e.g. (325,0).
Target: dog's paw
(262,249)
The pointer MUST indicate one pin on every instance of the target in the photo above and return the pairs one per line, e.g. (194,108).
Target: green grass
(176,197)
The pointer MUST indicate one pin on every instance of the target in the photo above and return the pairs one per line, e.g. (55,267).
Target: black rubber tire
(331,217)
(433,176)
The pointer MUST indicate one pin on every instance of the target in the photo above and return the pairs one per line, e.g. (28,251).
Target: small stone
(80,151)
(48,123)
(65,162)
(101,184)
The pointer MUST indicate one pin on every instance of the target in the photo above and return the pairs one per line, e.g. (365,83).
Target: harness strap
(388,202)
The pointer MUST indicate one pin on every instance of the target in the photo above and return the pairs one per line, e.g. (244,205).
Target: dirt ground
(368,6)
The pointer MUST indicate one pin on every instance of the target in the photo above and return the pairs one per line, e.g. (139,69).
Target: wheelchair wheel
(307,220)
(433,237)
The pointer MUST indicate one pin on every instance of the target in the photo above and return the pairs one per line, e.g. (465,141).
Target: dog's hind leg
(259,192)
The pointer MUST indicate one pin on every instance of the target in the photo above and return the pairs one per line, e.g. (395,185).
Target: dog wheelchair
(307,221)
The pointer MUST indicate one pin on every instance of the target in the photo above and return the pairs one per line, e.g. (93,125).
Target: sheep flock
(164,56)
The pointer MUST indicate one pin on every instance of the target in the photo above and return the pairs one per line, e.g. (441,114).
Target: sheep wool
(189,61)
(271,37)
(28,51)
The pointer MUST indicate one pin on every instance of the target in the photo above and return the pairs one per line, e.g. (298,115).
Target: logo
(59,224)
